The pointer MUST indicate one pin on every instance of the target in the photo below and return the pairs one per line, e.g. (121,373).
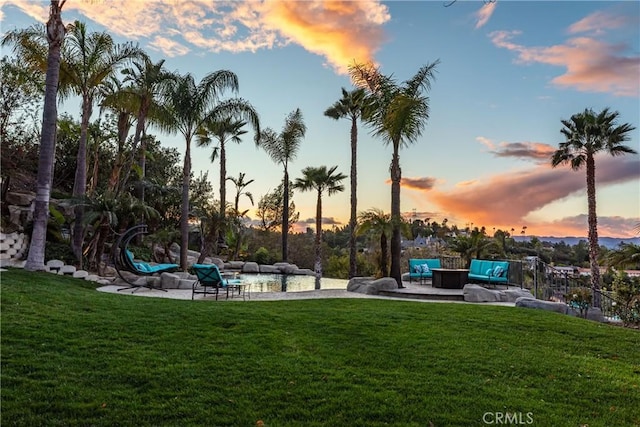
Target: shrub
(263,256)
(627,294)
(59,251)
(579,299)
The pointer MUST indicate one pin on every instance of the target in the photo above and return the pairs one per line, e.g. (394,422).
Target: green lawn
(72,356)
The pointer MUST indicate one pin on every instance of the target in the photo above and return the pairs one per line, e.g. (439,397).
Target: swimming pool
(288,282)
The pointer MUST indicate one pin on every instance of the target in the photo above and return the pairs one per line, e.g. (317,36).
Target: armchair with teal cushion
(421,268)
(210,281)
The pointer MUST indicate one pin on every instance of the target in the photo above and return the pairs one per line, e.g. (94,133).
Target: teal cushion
(424,268)
(498,271)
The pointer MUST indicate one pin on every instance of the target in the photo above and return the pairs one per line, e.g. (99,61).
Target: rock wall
(13,247)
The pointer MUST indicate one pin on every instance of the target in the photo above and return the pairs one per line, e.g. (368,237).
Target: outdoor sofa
(492,272)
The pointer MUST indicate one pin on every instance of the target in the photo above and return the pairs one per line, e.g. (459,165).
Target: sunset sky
(509,72)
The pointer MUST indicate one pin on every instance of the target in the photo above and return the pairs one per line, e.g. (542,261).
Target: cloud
(608,226)
(421,183)
(325,221)
(537,151)
(484,14)
(591,65)
(507,198)
(599,22)
(339,31)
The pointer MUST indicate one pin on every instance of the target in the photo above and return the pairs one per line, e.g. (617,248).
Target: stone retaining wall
(13,246)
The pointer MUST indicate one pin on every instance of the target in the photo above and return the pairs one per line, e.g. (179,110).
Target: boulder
(530,302)
(169,280)
(593,313)
(67,269)
(235,265)
(269,269)
(250,267)
(511,295)
(477,293)
(54,263)
(304,272)
(370,286)
(20,199)
(80,274)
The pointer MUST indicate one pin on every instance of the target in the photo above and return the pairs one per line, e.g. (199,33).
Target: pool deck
(411,291)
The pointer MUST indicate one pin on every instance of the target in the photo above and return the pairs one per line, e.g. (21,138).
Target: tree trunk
(184,218)
(285,215)
(55,36)
(318,265)
(353,263)
(384,255)
(396,175)
(134,149)
(223,177)
(594,247)
(123,131)
(80,182)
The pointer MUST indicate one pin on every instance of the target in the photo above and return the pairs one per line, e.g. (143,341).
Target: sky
(508,73)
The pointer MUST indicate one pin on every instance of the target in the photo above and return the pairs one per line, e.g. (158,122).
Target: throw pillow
(424,268)
(498,271)
(489,272)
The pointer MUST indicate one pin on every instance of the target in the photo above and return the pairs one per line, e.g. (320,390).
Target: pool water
(288,283)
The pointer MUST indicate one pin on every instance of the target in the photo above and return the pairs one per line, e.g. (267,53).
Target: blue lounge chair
(123,260)
(210,281)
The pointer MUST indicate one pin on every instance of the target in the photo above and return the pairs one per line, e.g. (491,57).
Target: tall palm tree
(283,148)
(320,179)
(588,133)
(55,33)
(376,221)
(226,130)
(112,99)
(351,106)
(189,107)
(398,114)
(89,60)
(145,82)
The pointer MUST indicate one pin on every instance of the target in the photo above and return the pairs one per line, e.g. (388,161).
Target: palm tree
(190,107)
(351,106)
(146,83)
(241,184)
(226,130)
(398,114)
(376,221)
(89,60)
(237,224)
(627,255)
(55,32)
(587,134)
(283,148)
(321,180)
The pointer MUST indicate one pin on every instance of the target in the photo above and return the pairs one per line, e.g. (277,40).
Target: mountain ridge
(608,242)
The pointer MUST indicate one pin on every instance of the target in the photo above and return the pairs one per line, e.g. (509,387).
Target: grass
(72,356)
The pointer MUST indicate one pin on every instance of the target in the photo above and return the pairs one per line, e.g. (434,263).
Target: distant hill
(608,242)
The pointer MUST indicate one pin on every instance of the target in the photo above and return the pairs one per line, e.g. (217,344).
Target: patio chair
(123,261)
(210,281)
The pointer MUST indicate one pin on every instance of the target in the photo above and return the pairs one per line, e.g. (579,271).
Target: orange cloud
(484,14)
(506,199)
(340,31)
(591,65)
(608,226)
